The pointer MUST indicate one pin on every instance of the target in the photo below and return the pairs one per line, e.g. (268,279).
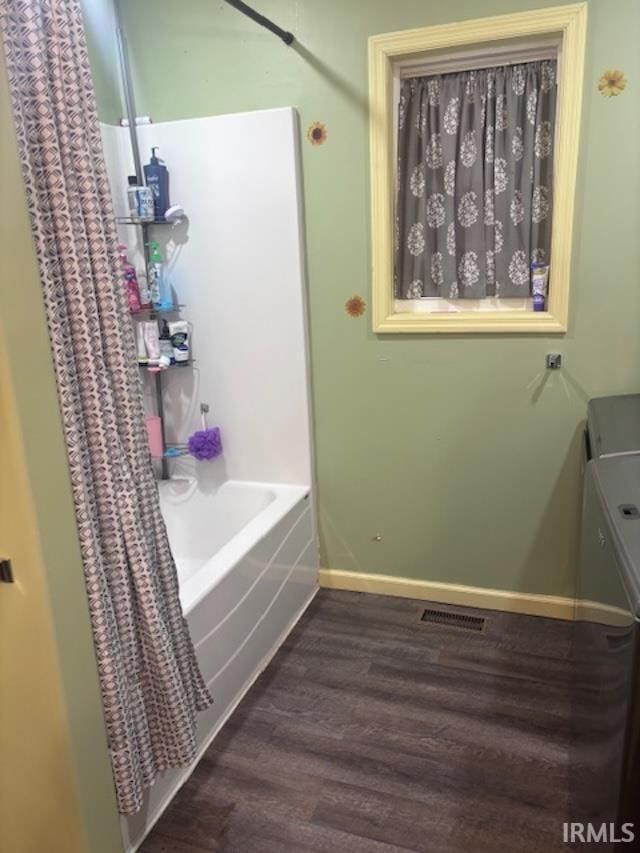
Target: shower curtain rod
(286,37)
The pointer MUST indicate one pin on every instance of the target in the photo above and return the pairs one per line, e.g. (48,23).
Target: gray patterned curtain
(475,175)
(151,685)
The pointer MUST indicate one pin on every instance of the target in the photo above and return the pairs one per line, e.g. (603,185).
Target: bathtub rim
(218,566)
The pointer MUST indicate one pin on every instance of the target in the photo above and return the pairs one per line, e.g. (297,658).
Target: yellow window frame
(385,51)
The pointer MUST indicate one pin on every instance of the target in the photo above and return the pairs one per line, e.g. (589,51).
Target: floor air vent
(454,620)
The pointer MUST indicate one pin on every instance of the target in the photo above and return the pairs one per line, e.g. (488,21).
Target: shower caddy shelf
(152,368)
(127,220)
(171,451)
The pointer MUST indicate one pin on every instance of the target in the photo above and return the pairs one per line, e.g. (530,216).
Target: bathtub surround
(236,264)
(462,454)
(151,684)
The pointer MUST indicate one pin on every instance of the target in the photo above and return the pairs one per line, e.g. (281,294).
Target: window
(473,205)
(470,186)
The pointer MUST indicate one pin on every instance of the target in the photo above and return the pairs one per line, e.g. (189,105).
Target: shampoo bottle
(156,176)
(160,286)
(539,282)
(143,287)
(140,344)
(130,280)
(152,341)
(166,346)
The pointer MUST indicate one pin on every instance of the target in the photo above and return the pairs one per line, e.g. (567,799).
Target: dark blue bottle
(156,177)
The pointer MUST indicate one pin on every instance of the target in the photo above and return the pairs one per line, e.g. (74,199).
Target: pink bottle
(154,432)
(130,281)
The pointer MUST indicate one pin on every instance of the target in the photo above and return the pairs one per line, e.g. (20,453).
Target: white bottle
(179,331)
(140,199)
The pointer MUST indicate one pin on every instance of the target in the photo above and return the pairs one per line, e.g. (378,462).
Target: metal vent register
(454,620)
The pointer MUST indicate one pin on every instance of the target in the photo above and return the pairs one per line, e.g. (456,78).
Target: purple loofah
(206,444)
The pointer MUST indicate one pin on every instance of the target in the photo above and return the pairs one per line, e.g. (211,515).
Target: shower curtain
(150,681)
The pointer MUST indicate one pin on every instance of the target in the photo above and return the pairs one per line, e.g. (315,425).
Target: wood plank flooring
(374,732)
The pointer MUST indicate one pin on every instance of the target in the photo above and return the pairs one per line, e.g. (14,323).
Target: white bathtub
(248,566)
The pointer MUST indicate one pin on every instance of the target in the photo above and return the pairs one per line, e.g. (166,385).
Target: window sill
(469,322)
(437,305)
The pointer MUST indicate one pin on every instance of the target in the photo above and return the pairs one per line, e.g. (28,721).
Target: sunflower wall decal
(612,83)
(317,133)
(355,307)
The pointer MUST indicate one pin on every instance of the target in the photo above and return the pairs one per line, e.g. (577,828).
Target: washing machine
(605,694)
(613,426)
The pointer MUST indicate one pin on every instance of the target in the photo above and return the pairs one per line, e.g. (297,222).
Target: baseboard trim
(553,606)
(603,614)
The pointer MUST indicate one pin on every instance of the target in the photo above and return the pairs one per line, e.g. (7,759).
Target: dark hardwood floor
(372,731)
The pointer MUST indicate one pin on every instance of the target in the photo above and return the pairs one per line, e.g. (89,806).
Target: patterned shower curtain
(475,175)
(151,685)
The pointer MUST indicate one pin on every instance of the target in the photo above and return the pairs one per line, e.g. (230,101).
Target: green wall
(100,23)
(461,453)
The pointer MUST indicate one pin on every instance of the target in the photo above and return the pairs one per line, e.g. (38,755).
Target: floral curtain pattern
(150,681)
(475,176)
